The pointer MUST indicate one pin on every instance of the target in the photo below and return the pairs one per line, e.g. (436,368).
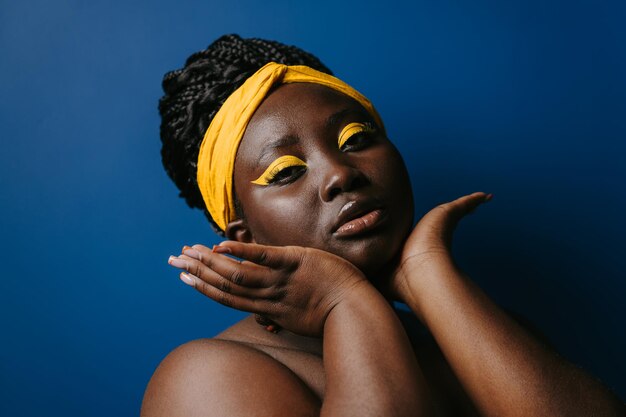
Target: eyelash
(288,174)
(363,131)
(280,170)
(287,168)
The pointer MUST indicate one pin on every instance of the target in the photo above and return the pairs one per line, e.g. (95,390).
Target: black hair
(194,94)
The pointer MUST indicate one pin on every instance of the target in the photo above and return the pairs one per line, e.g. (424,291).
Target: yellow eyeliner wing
(277,166)
(350,130)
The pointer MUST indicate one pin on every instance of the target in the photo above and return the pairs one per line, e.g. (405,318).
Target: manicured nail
(191,252)
(185,248)
(488,197)
(188,279)
(221,249)
(176,262)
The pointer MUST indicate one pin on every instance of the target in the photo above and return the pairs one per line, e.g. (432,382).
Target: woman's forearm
(504,369)
(371,369)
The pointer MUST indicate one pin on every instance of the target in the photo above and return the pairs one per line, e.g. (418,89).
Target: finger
(230,284)
(444,218)
(195,273)
(240,273)
(470,202)
(252,305)
(270,256)
(462,206)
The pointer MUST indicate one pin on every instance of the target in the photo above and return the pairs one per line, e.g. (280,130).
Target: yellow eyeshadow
(275,167)
(350,130)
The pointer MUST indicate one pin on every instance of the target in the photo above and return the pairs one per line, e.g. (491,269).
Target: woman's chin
(376,264)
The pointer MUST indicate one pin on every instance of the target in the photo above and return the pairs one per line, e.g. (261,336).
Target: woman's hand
(430,241)
(292,286)
(502,367)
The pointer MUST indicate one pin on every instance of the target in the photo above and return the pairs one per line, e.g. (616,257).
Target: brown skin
(320,288)
(302,210)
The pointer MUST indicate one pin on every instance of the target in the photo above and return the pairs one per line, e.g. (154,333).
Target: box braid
(195,93)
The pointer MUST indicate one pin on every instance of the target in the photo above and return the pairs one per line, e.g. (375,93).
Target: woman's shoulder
(225,378)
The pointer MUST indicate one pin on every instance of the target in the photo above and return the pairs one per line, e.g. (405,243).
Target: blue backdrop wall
(524,99)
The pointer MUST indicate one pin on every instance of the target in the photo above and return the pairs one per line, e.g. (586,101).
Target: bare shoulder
(211,377)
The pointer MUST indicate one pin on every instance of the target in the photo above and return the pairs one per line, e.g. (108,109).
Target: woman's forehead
(294,108)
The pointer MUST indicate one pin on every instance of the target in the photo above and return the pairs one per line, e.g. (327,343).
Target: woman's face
(352,200)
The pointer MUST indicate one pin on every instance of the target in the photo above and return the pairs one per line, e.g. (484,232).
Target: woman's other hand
(430,241)
(292,286)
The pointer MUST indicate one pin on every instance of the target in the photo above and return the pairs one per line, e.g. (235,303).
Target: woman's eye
(286,174)
(356,142)
(355,136)
(283,170)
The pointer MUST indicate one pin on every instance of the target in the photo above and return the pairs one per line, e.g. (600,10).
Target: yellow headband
(216,159)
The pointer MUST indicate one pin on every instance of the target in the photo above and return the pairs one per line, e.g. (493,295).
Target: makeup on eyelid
(352,129)
(286,161)
(289,161)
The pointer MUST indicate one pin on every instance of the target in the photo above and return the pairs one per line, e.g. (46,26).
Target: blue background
(524,99)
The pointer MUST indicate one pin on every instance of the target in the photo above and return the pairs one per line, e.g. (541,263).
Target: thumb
(445,217)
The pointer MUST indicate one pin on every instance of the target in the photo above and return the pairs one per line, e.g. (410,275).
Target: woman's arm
(212,377)
(370,366)
(504,369)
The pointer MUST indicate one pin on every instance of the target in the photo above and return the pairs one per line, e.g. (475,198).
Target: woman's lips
(364,223)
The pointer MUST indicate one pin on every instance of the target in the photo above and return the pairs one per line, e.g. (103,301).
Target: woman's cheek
(280,219)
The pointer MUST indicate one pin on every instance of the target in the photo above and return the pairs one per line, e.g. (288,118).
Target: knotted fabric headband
(216,160)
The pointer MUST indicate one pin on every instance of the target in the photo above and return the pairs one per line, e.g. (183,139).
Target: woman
(293,166)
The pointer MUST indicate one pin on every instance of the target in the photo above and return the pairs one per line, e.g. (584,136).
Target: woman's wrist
(417,275)
(353,298)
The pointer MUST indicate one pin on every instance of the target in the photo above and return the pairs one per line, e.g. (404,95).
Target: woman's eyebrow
(335,118)
(281,142)
(289,140)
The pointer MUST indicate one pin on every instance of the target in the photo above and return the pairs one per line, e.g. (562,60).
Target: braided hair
(195,93)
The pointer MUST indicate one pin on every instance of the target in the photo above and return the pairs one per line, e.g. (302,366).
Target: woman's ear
(238,230)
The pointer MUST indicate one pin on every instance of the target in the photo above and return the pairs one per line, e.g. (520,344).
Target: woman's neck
(250,332)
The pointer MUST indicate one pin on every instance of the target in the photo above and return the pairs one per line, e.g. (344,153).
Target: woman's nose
(340,178)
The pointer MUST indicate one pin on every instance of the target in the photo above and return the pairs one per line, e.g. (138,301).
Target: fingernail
(185,248)
(187,279)
(176,262)
(192,253)
(221,249)
(488,197)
